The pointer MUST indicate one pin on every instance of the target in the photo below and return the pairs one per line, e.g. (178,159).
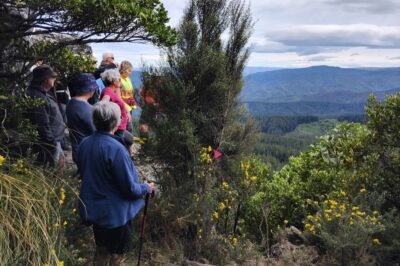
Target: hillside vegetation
(281,85)
(283,137)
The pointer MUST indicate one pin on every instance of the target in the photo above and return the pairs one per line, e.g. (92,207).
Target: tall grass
(29,217)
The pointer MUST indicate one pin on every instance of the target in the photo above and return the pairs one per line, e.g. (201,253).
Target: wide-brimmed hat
(43,72)
(83,83)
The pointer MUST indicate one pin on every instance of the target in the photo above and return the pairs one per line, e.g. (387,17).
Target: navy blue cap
(83,83)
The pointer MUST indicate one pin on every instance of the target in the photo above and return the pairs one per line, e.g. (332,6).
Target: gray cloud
(369,6)
(356,35)
(394,58)
(320,58)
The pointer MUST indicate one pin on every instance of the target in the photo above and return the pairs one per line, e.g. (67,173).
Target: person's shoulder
(86,141)
(107,90)
(79,107)
(109,140)
(34,91)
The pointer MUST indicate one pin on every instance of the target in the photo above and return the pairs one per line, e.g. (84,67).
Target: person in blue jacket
(79,111)
(111,193)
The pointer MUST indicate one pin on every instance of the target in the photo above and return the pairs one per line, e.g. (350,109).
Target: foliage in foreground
(27,25)
(343,190)
(30,215)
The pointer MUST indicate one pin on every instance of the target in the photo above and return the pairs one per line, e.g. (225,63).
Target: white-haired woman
(112,81)
(111,193)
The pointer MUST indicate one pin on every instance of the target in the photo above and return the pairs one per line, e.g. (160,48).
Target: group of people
(99,120)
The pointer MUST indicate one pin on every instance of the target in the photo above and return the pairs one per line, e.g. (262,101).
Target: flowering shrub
(347,228)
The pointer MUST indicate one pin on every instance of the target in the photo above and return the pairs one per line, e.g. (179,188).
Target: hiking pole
(146,204)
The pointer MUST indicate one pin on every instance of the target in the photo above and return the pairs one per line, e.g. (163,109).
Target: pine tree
(198,104)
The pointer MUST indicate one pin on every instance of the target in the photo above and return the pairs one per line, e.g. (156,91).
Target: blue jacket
(111,194)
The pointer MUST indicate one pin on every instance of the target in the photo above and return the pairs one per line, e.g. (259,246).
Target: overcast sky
(300,33)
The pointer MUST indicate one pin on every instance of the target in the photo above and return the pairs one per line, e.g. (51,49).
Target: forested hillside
(298,84)
(319,90)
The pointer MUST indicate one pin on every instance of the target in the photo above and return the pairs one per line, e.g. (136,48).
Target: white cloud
(345,58)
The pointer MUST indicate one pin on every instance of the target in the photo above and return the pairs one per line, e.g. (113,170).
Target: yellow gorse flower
(332,202)
(225,185)
(2,159)
(205,155)
(359,213)
(62,196)
(215,215)
(234,241)
(376,241)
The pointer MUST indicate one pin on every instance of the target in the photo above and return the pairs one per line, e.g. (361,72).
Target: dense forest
(285,136)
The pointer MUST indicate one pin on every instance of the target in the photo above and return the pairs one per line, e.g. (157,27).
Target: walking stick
(146,203)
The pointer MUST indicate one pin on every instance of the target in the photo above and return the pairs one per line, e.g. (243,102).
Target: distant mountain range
(319,90)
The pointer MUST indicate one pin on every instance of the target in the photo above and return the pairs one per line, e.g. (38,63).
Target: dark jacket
(111,193)
(48,119)
(103,67)
(80,124)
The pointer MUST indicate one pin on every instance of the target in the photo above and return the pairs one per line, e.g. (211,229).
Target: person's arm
(126,176)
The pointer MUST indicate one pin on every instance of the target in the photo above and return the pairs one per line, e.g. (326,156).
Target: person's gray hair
(109,76)
(124,66)
(107,55)
(106,116)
